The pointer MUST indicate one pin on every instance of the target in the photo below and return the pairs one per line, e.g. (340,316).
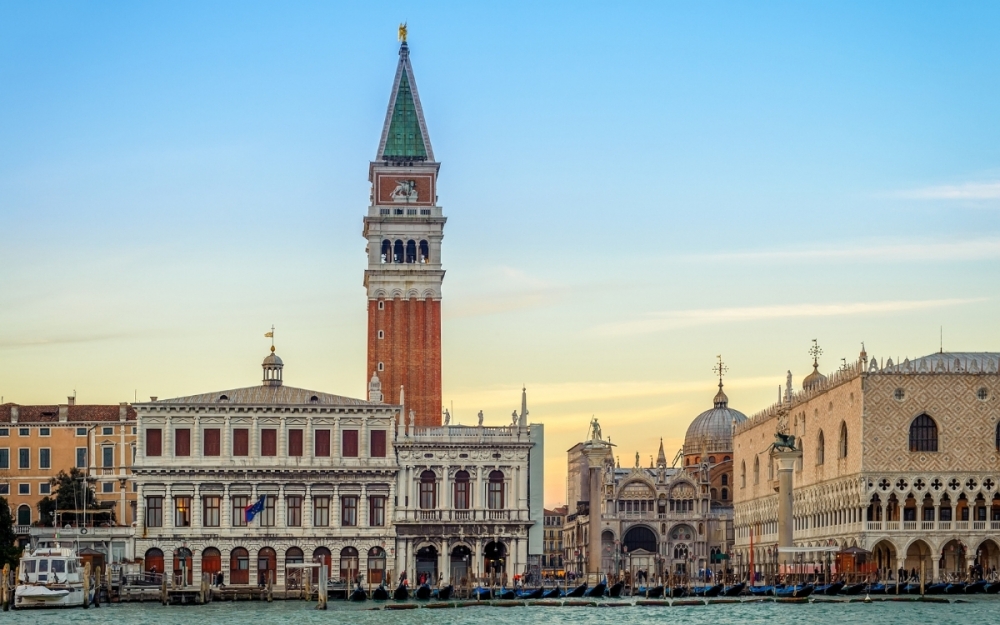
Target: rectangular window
(322,443)
(946,514)
(4,489)
(294,506)
(4,431)
(24,432)
(267,517)
(44,432)
(182,511)
(81,457)
(154,442)
(24,458)
(462,494)
(4,458)
(107,487)
(108,457)
(376,511)
(154,511)
(81,431)
(108,431)
(321,511)
(182,442)
(24,489)
(269,442)
(294,442)
(240,502)
(349,511)
(45,488)
(378,443)
(350,449)
(211,510)
(213,442)
(241,442)
(45,458)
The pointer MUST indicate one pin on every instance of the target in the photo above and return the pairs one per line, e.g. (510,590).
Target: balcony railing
(909,525)
(450,515)
(927,525)
(22,530)
(979,525)
(892,526)
(961,525)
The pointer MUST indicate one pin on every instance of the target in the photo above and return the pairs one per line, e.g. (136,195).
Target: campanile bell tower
(404,228)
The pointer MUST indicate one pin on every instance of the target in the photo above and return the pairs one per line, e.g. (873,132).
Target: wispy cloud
(506,289)
(660,321)
(967,191)
(911,251)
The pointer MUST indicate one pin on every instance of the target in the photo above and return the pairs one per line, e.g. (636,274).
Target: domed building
(709,442)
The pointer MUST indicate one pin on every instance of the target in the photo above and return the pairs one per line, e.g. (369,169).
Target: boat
(616,591)
(596,591)
(359,594)
(445,593)
(482,594)
(578,591)
(506,595)
(854,589)
(762,591)
(531,594)
(876,589)
(678,591)
(734,591)
(829,589)
(993,588)
(713,591)
(935,589)
(380,594)
(555,593)
(401,593)
(976,587)
(654,593)
(423,592)
(798,591)
(50,577)
(955,588)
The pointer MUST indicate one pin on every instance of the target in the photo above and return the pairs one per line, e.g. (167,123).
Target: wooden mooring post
(6,587)
(86,585)
(163,590)
(321,596)
(97,587)
(270,586)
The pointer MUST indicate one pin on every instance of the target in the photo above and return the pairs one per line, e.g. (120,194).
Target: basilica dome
(712,430)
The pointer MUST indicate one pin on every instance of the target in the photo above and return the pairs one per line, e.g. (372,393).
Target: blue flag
(254,509)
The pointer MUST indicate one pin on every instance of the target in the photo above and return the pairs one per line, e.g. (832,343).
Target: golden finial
(402,32)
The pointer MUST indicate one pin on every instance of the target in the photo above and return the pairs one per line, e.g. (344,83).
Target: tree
(72,491)
(9,552)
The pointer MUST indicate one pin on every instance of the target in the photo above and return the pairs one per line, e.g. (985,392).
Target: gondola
(955,588)
(713,591)
(578,591)
(616,591)
(876,589)
(911,589)
(976,587)
(829,589)
(935,589)
(506,595)
(445,593)
(531,594)
(596,591)
(380,594)
(734,591)
(853,589)
(797,592)
(655,592)
(359,594)
(423,592)
(555,593)
(762,591)
(678,591)
(993,588)
(482,594)
(401,593)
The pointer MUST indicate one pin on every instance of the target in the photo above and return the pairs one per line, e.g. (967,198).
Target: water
(976,610)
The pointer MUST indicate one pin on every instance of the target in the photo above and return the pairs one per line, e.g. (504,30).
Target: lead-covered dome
(712,430)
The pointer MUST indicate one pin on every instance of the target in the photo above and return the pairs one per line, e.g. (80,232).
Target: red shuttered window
(378,443)
(154,442)
(323,443)
(350,443)
(182,442)
(213,442)
(241,442)
(294,442)
(269,442)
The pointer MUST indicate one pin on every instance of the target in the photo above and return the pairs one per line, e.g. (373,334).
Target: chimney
(122,411)
(14,410)
(71,400)
(64,412)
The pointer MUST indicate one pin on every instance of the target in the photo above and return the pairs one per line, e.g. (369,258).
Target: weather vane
(270,335)
(815,351)
(720,369)
(402,32)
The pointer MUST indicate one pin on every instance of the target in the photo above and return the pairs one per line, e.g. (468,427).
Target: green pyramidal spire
(404,136)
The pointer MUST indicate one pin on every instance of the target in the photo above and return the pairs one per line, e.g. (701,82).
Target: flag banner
(269,335)
(254,509)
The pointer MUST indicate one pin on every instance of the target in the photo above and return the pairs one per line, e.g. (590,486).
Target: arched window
(843,440)
(756,470)
(725,494)
(725,479)
(348,564)
(998,436)
(711,460)
(239,566)
(425,252)
(293,574)
(923,434)
(24,515)
(411,251)
(462,499)
(376,565)
(211,560)
(428,490)
(494,493)
(386,251)
(267,565)
(820,448)
(770,468)
(397,252)
(743,474)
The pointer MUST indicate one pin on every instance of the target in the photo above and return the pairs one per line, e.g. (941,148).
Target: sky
(631,189)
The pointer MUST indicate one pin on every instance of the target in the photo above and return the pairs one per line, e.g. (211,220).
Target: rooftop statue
(480,418)
(447,417)
(595,430)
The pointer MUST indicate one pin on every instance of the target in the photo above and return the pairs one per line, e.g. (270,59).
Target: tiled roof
(269,395)
(50,414)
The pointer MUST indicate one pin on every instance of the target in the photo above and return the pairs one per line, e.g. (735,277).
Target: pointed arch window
(998,437)
(743,474)
(843,439)
(820,448)
(756,470)
(923,434)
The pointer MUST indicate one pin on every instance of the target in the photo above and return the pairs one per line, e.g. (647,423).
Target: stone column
(936,566)
(307,509)
(786,466)
(596,451)
(937,520)
(226,513)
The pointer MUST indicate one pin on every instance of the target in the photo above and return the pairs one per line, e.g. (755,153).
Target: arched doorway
(987,558)
(608,560)
(24,515)
(152,562)
(427,565)
(953,559)
(376,565)
(918,558)
(323,556)
(494,560)
(293,574)
(267,566)
(349,564)
(183,561)
(640,537)
(884,557)
(461,558)
(211,561)
(239,566)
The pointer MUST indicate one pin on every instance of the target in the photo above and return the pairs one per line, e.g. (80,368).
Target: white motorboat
(50,577)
